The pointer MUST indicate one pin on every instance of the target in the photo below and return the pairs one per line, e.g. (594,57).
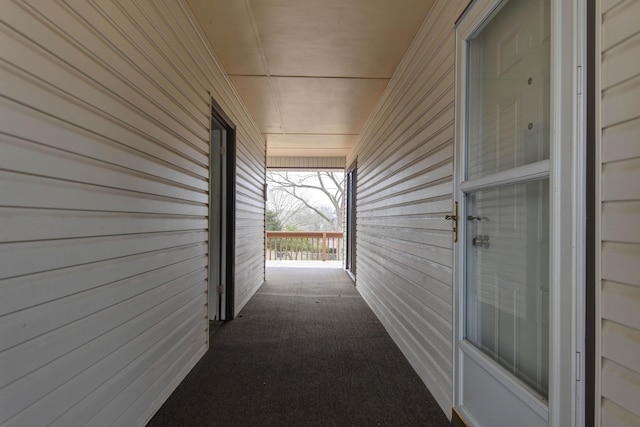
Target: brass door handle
(454,218)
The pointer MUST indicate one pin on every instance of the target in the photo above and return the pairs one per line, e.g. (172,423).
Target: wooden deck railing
(303,246)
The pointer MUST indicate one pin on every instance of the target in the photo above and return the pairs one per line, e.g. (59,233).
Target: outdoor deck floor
(305,351)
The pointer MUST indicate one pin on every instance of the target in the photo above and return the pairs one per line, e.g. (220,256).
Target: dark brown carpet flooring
(305,351)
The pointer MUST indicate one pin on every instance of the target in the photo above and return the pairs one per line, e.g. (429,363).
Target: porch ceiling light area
(335,108)
(309,105)
(309,67)
(310,145)
(337,38)
(331,106)
(311,38)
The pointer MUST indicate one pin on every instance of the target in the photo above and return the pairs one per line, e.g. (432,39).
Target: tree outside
(272,221)
(305,201)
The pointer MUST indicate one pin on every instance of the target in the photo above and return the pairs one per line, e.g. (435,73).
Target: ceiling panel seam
(315,134)
(275,76)
(263,56)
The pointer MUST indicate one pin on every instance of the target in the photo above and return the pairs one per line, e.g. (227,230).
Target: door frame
(567,180)
(226,258)
(591,207)
(351,214)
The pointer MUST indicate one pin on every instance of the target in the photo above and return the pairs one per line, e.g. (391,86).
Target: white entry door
(504,255)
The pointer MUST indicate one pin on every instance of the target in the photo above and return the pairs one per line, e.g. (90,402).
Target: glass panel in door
(508,278)
(508,89)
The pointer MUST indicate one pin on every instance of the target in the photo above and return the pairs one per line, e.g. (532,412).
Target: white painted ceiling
(310,71)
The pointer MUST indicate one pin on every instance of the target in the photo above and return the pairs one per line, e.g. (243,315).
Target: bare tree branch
(334,192)
(322,215)
(284,207)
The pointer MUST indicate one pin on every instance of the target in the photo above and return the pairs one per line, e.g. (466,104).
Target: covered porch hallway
(305,351)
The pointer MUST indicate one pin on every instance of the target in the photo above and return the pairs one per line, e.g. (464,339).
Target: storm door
(504,217)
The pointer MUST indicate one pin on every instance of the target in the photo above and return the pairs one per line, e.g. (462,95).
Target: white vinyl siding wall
(619,82)
(104,141)
(405,166)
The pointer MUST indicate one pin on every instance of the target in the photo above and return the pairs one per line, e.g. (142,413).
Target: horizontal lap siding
(306,162)
(405,167)
(104,142)
(620,213)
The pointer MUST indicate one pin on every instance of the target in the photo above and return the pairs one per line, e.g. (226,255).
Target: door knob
(481,241)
